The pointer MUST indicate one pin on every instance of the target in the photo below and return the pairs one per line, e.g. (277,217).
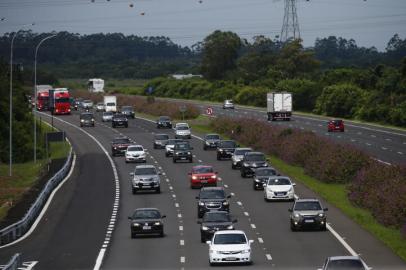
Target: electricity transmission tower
(290,28)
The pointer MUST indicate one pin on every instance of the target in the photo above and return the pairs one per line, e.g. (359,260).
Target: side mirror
(293,184)
(197,197)
(129,217)
(131,174)
(199,222)
(145,149)
(325,209)
(251,241)
(290,210)
(208,242)
(163,216)
(235,221)
(228,196)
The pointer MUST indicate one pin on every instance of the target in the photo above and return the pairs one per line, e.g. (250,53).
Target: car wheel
(232,166)
(126,126)
(161,234)
(292,227)
(243,174)
(254,187)
(204,147)
(158,190)
(174,160)
(166,154)
(191,160)
(133,235)
(218,157)
(202,238)
(134,190)
(324,227)
(126,161)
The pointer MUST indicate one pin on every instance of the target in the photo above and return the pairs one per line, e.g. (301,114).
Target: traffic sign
(209,111)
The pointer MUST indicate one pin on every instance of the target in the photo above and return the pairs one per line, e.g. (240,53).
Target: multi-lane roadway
(86,224)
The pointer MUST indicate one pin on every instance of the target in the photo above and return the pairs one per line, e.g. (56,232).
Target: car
(335,125)
(182,151)
(86,119)
(135,153)
(107,116)
(128,111)
(215,221)
(261,176)
(119,120)
(212,199)
(146,221)
(182,131)
(87,104)
(160,140)
(145,177)
(210,141)
(203,175)
(119,145)
(170,145)
(237,156)
(228,104)
(164,122)
(252,161)
(100,107)
(307,213)
(228,247)
(344,263)
(279,188)
(225,149)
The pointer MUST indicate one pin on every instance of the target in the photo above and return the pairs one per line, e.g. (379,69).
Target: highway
(384,144)
(72,233)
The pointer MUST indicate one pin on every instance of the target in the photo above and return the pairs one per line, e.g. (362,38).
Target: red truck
(59,101)
(43,97)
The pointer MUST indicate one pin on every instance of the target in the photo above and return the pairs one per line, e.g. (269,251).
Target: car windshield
(145,171)
(87,101)
(258,157)
(212,137)
(146,214)
(108,114)
(216,217)
(119,116)
(227,144)
(182,146)
(100,104)
(62,100)
(164,118)
(337,122)
(212,194)
(230,239)
(203,170)
(315,206)
(110,104)
(127,109)
(161,137)
(173,141)
(345,264)
(121,141)
(86,116)
(182,128)
(279,182)
(265,172)
(135,148)
(241,152)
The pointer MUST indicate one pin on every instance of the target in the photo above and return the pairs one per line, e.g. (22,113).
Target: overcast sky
(370,23)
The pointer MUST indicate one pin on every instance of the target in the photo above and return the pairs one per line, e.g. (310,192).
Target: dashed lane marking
(384,148)
(176,205)
(253,226)
(182,259)
(268,257)
(182,242)
(400,153)
(239,203)
(179,215)
(246,214)
(260,240)
(180,228)
(226,186)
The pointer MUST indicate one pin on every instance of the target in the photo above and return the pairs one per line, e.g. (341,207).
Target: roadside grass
(124,86)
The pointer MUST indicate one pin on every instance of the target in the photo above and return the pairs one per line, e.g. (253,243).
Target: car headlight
(188,153)
(321,215)
(115,147)
(82,120)
(157,223)
(245,164)
(205,228)
(257,180)
(245,251)
(92,120)
(136,224)
(207,143)
(201,203)
(225,203)
(230,227)
(296,215)
(213,176)
(221,150)
(290,190)
(194,177)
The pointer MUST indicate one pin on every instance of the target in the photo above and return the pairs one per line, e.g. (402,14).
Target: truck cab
(279,106)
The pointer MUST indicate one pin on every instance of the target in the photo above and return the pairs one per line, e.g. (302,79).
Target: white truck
(110,103)
(279,106)
(95,85)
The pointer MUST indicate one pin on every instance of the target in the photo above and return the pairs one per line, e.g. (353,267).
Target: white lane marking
(384,148)
(232,194)
(353,140)
(400,153)
(179,215)
(180,228)
(182,242)
(373,136)
(170,187)
(268,257)
(341,240)
(239,203)
(368,144)
(383,162)
(296,197)
(260,240)
(200,161)
(182,259)
(246,214)
(176,205)
(253,226)
(389,140)
(173,195)
(167,180)
(226,186)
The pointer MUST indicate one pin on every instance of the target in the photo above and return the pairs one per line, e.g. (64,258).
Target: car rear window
(121,141)
(216,217)
(255,157)
(203,170)
(212,137)
(135,148)
(227,144)
(146,214)
(345,264)
(265,172)
(315,206)
(212,194)
(242,152)
(162,137)
(145,171)
(279,182)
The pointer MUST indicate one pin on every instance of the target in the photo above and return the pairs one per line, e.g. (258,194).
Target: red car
(335,125)
(202,176)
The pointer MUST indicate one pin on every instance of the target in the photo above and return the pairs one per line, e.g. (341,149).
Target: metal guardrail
(18,229)
(13,263)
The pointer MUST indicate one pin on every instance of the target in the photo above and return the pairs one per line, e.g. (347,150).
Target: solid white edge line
(45,208)
(341,240)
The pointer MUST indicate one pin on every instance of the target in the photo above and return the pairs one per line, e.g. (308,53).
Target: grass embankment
(125,86)
(335,194)
(25,175)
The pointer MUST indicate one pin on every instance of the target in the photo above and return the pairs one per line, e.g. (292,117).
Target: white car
(107,116)
(87,104)
(229,247)
(135,153)
(100,107)
(279,188)
(228,104)
(182,131)
(344,262)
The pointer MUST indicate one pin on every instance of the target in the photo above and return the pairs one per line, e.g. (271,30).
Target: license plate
(203,181)
(230,259)
(309,221)
(183,158)
(146,227)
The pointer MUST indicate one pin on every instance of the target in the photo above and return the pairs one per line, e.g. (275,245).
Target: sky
(186,22)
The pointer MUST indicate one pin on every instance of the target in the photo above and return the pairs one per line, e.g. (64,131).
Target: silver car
(100,107)
(182,130)
(344,262)
(228,104)
(107,116)
(170,145)
(145,177)
(237,157)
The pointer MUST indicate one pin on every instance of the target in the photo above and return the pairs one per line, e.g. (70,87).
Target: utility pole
(290,28)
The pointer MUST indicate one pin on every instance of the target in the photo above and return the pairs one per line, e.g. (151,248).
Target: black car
(128,111)
(164,122)
(182,151)
(211,141)
(261,175)
(119,120)
(119,145)
(86,119)
(214,221)
(160,140)
(212,199)
(225,149)
(252,161)
(308,213)
(146,221)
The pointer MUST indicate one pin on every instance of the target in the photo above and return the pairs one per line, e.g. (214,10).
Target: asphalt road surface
(73,232)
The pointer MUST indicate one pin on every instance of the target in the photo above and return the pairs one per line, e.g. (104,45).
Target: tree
(305,92)
(220,51)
